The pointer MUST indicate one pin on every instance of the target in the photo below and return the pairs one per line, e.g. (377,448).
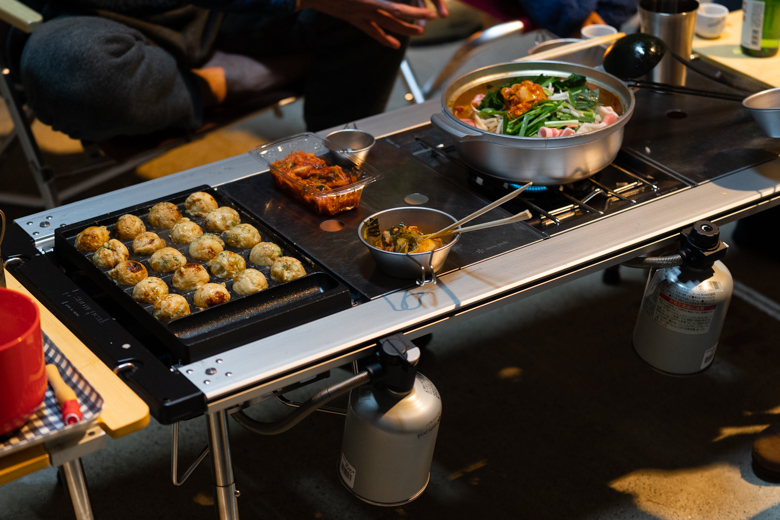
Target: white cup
(596,30)
(711,20)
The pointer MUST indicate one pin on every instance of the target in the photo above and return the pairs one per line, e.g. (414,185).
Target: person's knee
(84,74)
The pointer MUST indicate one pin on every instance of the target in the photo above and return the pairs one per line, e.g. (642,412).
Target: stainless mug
(674,22)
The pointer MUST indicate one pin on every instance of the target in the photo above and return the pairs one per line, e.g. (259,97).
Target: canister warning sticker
(683,317)
(709,354)
(347,472)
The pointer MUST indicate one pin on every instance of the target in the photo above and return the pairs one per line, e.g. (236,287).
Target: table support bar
(77,485)
(221,466)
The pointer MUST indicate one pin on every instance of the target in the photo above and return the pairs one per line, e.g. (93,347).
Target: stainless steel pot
(422,266)
(549,161)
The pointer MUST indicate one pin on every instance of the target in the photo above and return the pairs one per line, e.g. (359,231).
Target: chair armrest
(19,15)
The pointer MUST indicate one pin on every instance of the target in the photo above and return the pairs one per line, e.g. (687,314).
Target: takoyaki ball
(128,272)
(147,243)
(200,204)
(128,227)
(206,247)
(190,276)
(166,260)
(222,219)
(185,231)
(110,254)
(286,268)
(92,239)
(265,253)
(170,307)
(149,290)
(164,215)
(211,294)
(227,264)
(242,236)
(249,281)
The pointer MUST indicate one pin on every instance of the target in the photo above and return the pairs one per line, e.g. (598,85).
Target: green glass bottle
(760,27)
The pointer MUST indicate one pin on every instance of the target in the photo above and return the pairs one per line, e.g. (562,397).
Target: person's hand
(594,19)
(375,17)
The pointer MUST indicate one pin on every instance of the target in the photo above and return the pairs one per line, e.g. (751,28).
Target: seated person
(97,69)
(564,18)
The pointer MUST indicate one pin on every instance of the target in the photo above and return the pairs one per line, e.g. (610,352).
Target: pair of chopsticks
(451,229)
(572,47)
(675,89)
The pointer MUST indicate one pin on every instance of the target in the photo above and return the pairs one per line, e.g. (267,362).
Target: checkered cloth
(47,419)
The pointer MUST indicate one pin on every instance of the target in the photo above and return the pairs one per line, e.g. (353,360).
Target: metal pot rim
(538,67)
(393,253)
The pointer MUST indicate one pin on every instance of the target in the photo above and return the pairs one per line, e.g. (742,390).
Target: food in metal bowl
(400,238)
(517,158)
(539,106)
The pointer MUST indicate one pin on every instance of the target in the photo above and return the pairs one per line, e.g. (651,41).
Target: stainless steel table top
(253,370)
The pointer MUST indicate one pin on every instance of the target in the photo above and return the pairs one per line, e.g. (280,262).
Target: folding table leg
(77,485)
(221,466)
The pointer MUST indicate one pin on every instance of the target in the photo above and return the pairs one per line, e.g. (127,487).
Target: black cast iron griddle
(209,331)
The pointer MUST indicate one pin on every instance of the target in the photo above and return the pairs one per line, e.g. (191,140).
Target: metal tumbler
(674,22)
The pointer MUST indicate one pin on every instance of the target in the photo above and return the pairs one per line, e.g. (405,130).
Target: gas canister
(684,306)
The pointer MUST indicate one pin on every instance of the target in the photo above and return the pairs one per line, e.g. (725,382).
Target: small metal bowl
(354,141)
(765,108)
(420,266)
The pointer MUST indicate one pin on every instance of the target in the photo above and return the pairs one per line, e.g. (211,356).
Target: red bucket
(22,365)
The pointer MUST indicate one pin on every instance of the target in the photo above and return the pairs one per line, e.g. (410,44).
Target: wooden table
(725,53)
(123,411)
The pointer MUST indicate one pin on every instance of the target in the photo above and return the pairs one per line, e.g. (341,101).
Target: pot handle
(451,128)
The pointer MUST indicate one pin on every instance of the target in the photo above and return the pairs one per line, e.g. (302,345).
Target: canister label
(682,317)
(347,472)
(752,24)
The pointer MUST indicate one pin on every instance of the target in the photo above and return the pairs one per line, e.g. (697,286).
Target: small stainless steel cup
(674,21)
(765,108)
(356,142)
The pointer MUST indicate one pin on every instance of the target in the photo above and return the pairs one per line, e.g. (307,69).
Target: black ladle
(637,54)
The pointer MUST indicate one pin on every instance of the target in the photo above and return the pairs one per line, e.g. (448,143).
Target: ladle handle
(707,74)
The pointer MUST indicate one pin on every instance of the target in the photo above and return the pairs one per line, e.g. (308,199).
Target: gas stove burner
(529,189)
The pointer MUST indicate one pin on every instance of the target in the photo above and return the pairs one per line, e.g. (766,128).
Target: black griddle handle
(171,397)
